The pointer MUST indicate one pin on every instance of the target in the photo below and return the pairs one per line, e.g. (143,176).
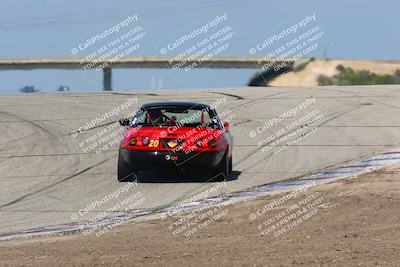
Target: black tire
(230,165)
(224,169)
(126,172)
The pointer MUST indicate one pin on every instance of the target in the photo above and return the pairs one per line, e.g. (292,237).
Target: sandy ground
(356,223)
(309,75)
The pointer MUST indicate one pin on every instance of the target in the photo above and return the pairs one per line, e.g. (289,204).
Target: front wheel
(126,172)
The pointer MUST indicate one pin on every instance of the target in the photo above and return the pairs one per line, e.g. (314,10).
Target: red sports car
(175,135)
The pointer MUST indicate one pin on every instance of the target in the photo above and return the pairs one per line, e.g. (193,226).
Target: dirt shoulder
(345,223)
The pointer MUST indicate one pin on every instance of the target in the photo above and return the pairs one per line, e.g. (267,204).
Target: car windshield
(170,116)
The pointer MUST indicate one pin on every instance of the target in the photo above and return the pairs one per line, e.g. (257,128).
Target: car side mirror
(226,125)
(124,122)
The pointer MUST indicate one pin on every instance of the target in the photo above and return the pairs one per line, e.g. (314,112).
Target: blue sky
(356,29)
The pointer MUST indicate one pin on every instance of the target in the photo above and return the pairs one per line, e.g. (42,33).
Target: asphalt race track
(46,177)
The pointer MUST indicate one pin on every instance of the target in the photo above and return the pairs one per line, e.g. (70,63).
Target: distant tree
(348,76)
(29,89)
(325,80)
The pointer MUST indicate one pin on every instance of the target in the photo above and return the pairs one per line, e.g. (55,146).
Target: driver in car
(155,116)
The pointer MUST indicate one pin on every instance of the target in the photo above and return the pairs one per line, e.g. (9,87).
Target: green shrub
(348,76)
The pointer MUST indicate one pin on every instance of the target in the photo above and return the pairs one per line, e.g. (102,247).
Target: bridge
(150,62)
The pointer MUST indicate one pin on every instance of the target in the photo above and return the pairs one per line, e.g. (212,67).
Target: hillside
(308,76)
